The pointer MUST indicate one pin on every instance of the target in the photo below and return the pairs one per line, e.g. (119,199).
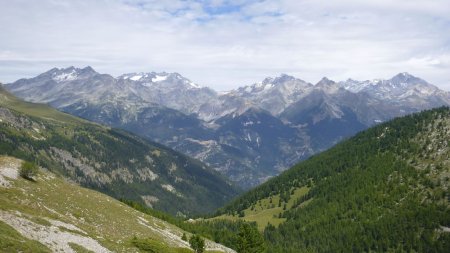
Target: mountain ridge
(174,112)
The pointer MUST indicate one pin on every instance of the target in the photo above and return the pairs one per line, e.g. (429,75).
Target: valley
(392,177)
(112,161)
(250,126)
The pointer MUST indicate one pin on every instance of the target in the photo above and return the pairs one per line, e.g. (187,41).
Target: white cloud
(224,44)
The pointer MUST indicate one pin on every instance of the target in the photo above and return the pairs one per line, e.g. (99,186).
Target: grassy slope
(268,210)
(386,189)
(38,110)
(51,199)
(112,161)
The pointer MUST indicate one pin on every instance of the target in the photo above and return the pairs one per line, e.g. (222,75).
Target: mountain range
(248,134)
(383,190)
(112,161)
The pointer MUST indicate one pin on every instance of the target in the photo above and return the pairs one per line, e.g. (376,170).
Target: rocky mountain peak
(88,69)
(403,75)
(268,84)
(283,78)
(69,74)
(137,76)
(325,81)
(405,79)
(160,79)
(327,85)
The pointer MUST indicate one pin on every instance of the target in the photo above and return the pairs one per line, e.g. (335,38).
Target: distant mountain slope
(53,215)
(328,119)
(171,90)
(167,108)
(112,161)
(170,109)
(260,139)
(386,189)
(403,88)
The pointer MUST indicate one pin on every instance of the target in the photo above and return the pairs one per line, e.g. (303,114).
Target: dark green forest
(233,234)
(386,189)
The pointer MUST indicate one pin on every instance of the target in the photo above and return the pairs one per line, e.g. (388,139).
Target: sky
(226,44)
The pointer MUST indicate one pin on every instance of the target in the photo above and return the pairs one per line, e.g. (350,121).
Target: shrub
(149,245)
(28,170)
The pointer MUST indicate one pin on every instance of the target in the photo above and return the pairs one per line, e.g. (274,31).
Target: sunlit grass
(110,222)
(267,210)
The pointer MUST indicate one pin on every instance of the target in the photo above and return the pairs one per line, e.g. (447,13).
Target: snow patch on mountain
(194,85)
(136,77)
(401,87)
(159,78)
(354,85)
(65,76)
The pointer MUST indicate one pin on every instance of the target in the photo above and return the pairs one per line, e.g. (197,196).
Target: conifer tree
(197,243)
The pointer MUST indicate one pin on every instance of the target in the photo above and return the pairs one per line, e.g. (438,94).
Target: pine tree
(197,243)
(250,240)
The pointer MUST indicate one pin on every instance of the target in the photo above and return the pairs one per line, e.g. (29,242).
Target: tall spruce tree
(250,240)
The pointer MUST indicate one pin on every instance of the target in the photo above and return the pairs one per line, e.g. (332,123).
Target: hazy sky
(225,44)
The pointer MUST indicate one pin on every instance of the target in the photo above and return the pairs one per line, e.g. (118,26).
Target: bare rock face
(9,170)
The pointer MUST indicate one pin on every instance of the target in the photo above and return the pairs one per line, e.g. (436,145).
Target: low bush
(28,170)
